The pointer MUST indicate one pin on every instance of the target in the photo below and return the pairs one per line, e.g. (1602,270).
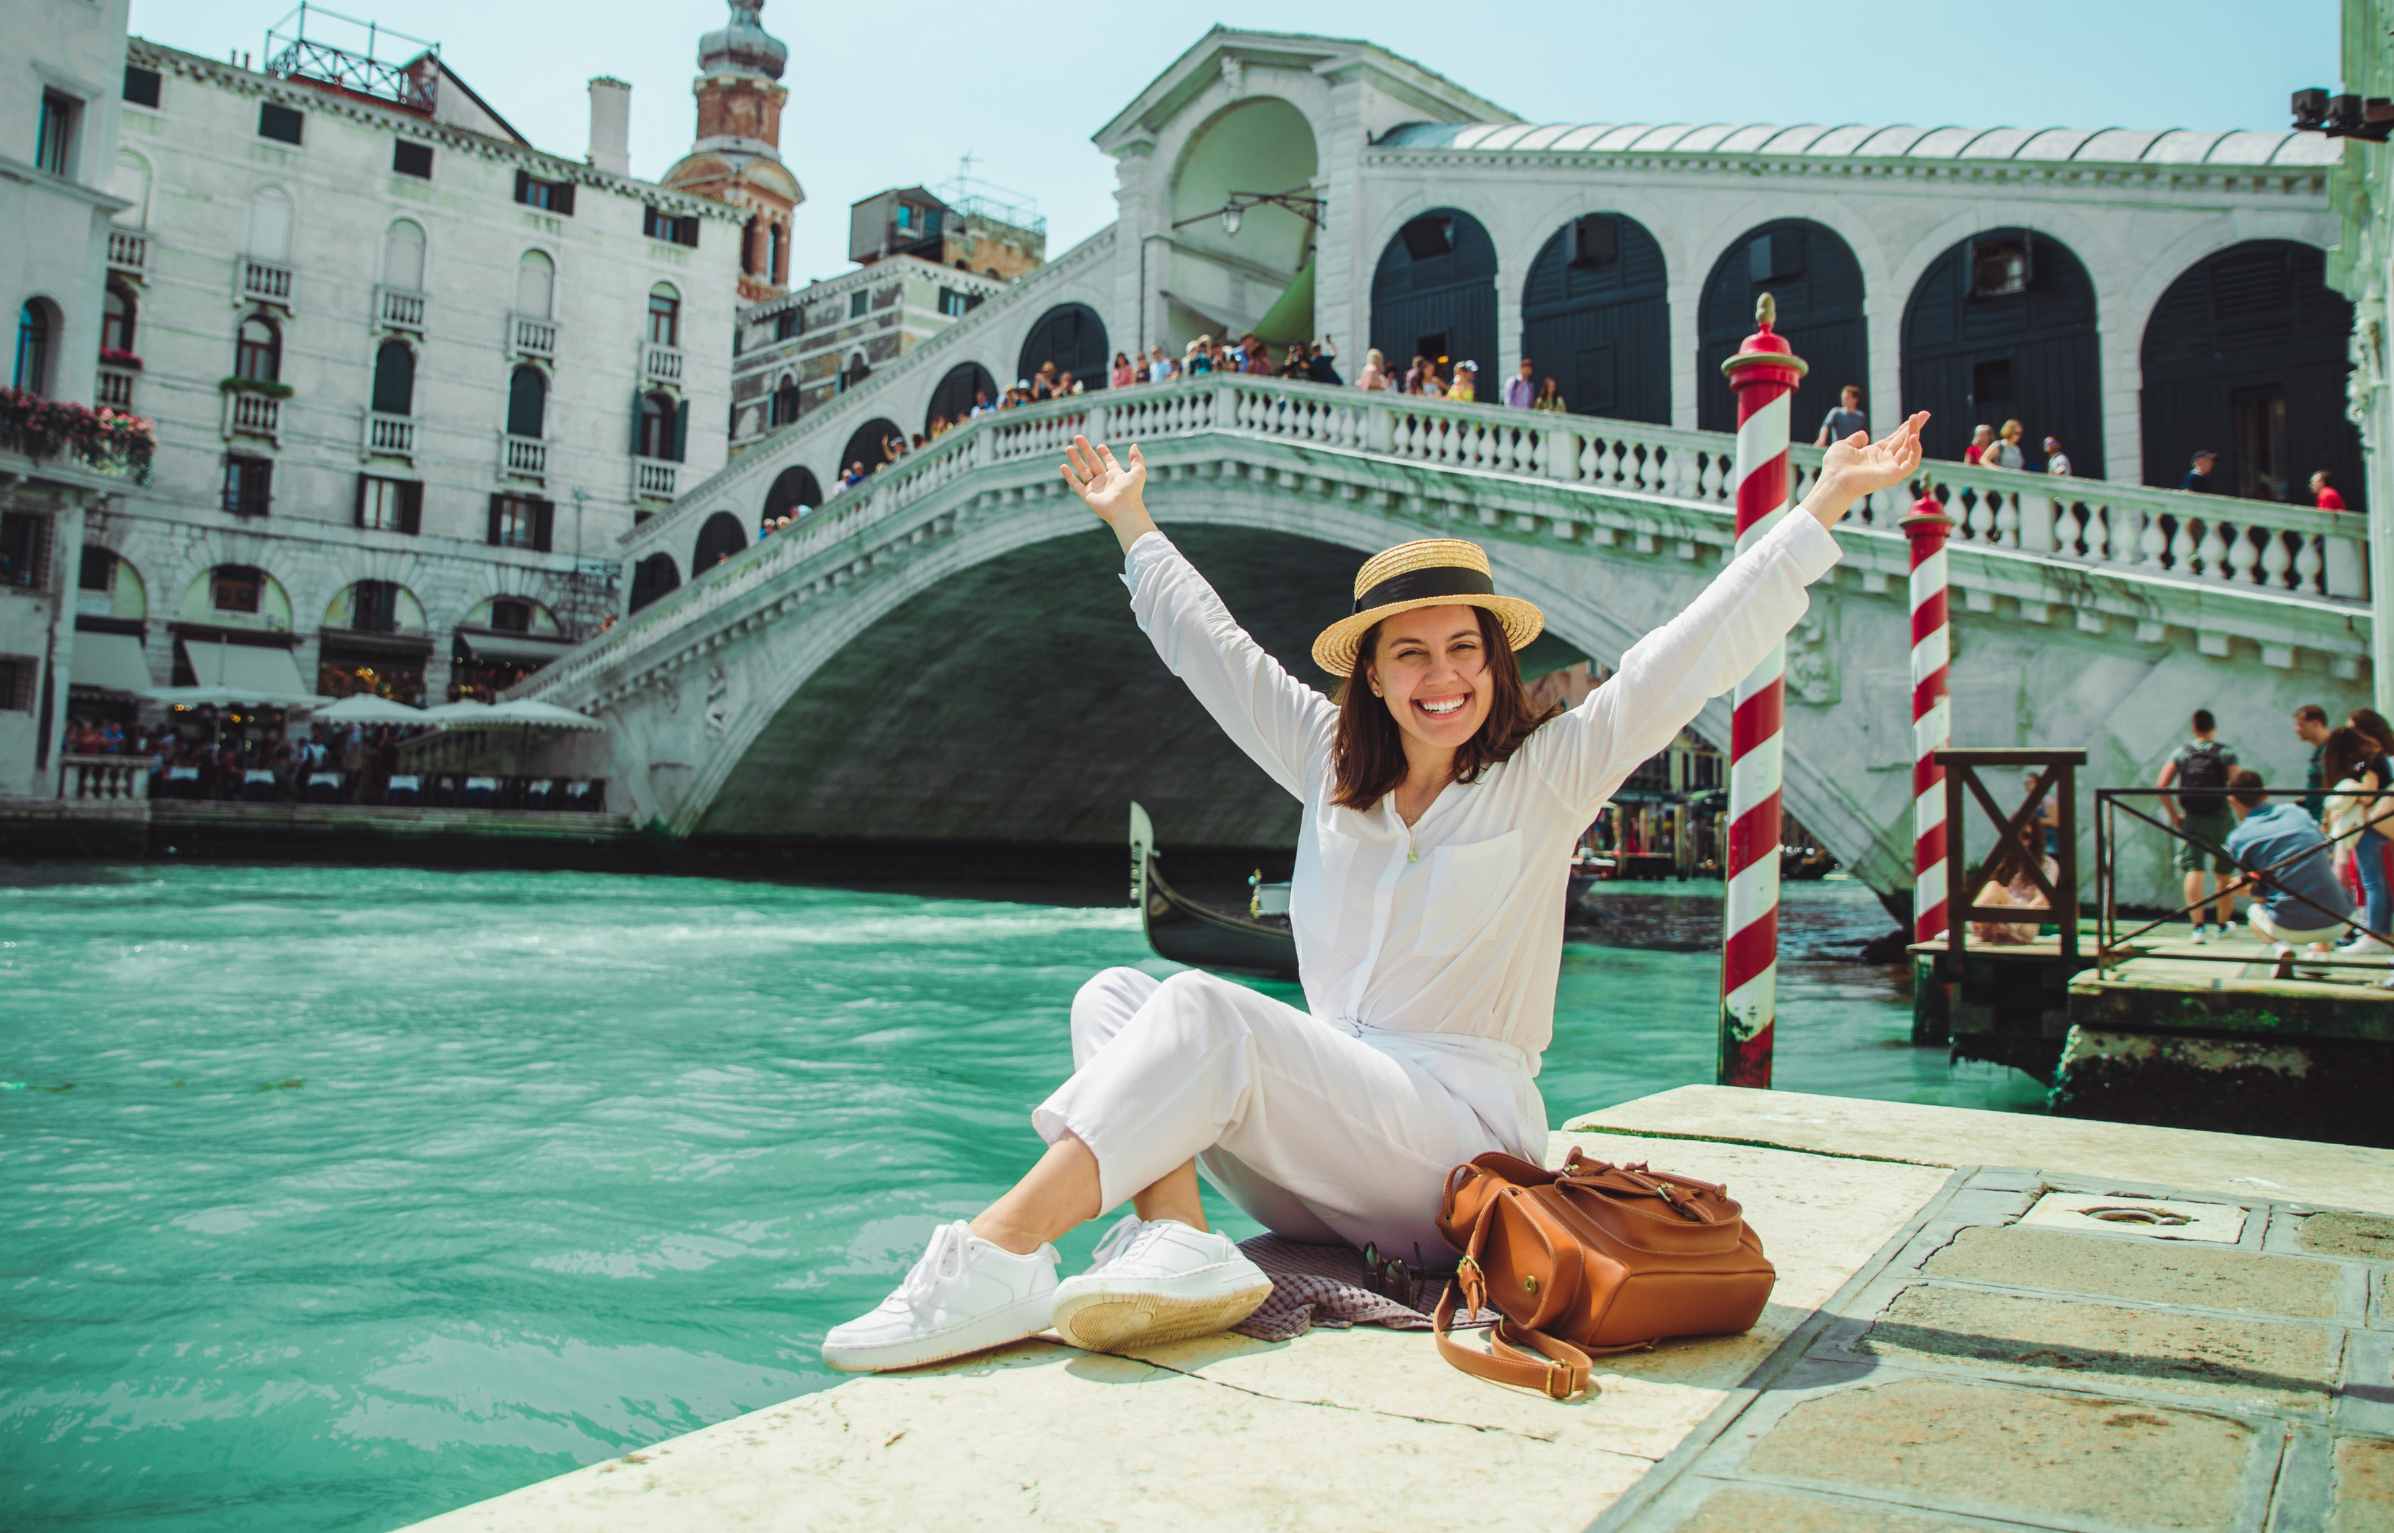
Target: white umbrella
(465,711)
(539,715)
(367,708)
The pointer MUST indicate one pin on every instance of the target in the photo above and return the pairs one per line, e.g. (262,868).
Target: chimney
(611,125)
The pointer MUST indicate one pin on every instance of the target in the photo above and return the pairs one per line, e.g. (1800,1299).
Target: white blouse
(1455,926)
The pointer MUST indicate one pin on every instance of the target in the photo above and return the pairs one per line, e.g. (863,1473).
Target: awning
(1290,317)
(238,673)
(111,662)
(522,648)
(360,641)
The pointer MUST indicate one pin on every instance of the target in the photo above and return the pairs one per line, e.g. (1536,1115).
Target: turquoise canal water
(339,1197)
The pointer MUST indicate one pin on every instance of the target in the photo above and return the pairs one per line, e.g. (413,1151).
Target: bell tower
(737,155)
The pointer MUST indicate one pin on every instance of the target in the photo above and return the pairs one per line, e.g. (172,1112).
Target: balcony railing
(523,457)
(390,436)
(129,252)
(399,308)
(654,478)
(661,364)
(116,387)
(122,778)
(265,281)
(531,336)
(247,414)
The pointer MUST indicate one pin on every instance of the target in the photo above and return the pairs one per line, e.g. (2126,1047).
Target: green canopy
(1291,316)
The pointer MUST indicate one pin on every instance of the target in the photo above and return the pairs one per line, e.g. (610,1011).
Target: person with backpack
(2202,817)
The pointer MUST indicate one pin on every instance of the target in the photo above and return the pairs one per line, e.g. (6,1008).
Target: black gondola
(1203,937)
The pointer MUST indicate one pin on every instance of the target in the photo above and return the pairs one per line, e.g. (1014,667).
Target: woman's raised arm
(1667,676)
(1280,722)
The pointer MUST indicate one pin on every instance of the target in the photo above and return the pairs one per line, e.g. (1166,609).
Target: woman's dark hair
(2373,724)
(2345,753)
(1368,755)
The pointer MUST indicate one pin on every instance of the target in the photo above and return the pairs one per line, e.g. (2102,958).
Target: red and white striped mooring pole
(1764,374)
(1932,719)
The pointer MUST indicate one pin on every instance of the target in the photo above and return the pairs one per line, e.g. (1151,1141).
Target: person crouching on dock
(1439,817)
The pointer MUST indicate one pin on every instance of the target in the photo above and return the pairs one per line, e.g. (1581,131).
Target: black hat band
(1413,585)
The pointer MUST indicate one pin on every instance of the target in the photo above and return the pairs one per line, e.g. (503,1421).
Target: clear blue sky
(885,92)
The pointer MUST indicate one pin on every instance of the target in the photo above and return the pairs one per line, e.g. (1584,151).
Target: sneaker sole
(1116,1322)
(1019,1322)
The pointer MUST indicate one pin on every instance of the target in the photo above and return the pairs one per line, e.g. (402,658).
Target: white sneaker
(2201,933)
(2363,946)
(965,1295)
(1158,1281)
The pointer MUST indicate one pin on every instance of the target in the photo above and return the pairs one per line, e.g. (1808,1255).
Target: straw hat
(1434,572)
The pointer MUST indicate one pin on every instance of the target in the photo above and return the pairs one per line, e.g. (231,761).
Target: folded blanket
(1332,1285)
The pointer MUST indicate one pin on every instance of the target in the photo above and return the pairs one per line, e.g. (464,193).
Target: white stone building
(411,375)
(58,130)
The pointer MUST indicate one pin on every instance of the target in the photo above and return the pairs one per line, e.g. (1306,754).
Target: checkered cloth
(1330,1285)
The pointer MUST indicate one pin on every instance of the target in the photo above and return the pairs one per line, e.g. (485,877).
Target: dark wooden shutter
(565,198)
(639,416)
(523,186)
(263,468)
(493,535)
(358,515)
(544,519)
(411,506)
(681,431)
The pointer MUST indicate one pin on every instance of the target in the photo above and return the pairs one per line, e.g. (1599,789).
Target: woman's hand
(1116,494)
(1857,466)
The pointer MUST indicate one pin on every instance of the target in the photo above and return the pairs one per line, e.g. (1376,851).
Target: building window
(37,337)
(519,521)
(258,351)
(389,505)
(527,402)
(411,159)
(235,587)
(16,684)
(141,85)
(395,378)
(788,325)
(117,313)
(54,150)
(99,569)
(664,317)
(510,614)
(656,427)
(681,230)
(952,303)
(785,403)
(375,608)
(548,196)
(248,485)
(856,304)
(23,554)
(774,237)
(280,123)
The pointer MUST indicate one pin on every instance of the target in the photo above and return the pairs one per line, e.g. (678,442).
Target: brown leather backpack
(1592,1258)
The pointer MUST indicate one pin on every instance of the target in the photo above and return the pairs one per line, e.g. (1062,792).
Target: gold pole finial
(1766,311)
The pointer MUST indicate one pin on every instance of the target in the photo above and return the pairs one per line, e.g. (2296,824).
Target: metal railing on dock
(2056,768)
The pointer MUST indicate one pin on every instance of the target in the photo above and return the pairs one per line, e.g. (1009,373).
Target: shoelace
(942,1263)
(1118,1240)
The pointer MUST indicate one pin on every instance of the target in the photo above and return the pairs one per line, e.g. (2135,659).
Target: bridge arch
(2003,324)
(1812,273)
(865,445)
(1434,293)
(956,391)
(652,577)
(719,537)
(1248,279)
(1596,315)
(794,489)
(2246,353)
(1073,337)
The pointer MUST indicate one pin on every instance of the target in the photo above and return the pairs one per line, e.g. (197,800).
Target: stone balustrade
(247,413)
(398,308)
(661,364)
(115,387)
(390,436)
(532,336)
(523,457)
(264,281)
(2122,530)
(129,252)
(654,478)
(104,778)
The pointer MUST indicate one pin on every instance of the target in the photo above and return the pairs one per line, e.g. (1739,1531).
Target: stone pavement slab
(2336,1233)
(2154,1271)
(2236,1165)
(1750,1509)
(2364,1486)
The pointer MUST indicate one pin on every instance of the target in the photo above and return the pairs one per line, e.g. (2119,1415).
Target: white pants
(1321,1133)
(2274,931)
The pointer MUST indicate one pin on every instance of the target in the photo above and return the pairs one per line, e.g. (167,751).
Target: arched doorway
(1250,273)
(374,638)
(2002,326)
(653,577)
(1074,338)
(2246,355)
(719,538)
(794,492)
(1434,295)
(954,397)
(865,444)
(1812,275)
(1596,315)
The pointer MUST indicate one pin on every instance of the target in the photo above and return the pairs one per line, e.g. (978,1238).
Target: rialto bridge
(945,653)
(942,652)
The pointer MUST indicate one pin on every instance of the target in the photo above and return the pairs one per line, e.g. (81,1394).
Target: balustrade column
(1764,373)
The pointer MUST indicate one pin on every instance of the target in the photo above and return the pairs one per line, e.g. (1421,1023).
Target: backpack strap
(1561,1371)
